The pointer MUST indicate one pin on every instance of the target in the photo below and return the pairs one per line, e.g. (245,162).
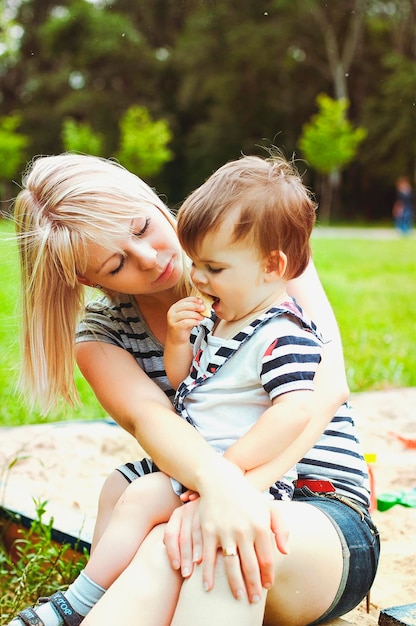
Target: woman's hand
(244,523)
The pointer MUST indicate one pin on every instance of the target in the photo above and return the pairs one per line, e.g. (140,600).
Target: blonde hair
(67,202)
(273,209)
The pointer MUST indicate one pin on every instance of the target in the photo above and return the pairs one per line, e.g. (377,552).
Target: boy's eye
(208,268)
(214,270)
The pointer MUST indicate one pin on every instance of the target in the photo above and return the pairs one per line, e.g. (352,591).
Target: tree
(390,148)
(143,142)
(82,60)
(80,137)
(12,150)
(329,143)
(341,30)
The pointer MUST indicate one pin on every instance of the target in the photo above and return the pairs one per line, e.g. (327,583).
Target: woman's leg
(217,606)
(145,594)
(307,579)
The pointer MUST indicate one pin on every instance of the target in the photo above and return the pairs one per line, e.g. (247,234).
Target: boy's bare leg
(113,487)
(147,502)
(145,594)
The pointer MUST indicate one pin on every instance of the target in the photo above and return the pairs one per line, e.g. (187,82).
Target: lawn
(370,283)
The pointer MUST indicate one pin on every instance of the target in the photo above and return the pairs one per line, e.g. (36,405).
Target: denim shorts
(361,548)
(357,533)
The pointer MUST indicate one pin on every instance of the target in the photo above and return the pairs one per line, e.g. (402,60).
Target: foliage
(79,137)
(328,141)
(228,77)
(143,142)
(13,146)
(391,118)
(40,568)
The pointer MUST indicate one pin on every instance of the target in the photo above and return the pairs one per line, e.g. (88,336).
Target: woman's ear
(84,281)
(275,265)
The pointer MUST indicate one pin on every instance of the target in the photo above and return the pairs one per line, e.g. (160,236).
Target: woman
(85,221)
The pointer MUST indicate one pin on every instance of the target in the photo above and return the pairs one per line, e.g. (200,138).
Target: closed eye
(141,232)
(214,270)
(119,267)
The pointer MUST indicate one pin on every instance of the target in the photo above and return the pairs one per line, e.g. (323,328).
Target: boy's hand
(183,316)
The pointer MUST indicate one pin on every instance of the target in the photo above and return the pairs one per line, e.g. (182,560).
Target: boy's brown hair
(273,209)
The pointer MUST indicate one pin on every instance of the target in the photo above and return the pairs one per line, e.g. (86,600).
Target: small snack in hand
(208,301)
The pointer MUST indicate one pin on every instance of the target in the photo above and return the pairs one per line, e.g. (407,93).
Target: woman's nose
(144,254)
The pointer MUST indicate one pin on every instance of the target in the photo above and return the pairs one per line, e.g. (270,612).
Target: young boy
(244,375)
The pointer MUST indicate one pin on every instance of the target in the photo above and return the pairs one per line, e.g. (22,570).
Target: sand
(67,463)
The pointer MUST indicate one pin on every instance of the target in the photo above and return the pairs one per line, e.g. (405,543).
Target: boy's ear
(275,265)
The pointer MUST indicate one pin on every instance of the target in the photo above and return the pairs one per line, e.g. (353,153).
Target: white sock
(82,595)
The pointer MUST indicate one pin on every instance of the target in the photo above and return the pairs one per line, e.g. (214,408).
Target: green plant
(13,145)
(80,137)
(39,566)
(329,143)
(143,142)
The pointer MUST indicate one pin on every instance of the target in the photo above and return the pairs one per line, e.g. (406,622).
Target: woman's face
(151,261)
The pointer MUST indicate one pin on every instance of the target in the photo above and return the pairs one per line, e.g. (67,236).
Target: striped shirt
(118,321)
(336,456)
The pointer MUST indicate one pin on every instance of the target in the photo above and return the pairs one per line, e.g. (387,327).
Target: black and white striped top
(118,321)
(337,455)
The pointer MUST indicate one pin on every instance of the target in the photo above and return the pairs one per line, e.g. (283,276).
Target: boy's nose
(198,277)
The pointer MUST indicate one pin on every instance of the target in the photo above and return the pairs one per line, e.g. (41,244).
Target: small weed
(38,567)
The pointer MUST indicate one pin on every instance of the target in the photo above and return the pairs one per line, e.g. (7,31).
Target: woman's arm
(330,378)
(232,513)
(141,408)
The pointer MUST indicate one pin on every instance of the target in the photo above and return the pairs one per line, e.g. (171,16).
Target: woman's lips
(166,274)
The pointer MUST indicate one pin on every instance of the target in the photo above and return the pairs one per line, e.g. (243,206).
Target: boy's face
(233,274)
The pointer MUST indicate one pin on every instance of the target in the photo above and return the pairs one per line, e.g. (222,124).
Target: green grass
(370,283)
(40,567)
(372,287)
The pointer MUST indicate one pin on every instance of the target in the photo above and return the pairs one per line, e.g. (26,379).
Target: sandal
(29,617)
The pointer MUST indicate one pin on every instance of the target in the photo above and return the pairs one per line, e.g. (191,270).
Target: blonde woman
(87,221)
